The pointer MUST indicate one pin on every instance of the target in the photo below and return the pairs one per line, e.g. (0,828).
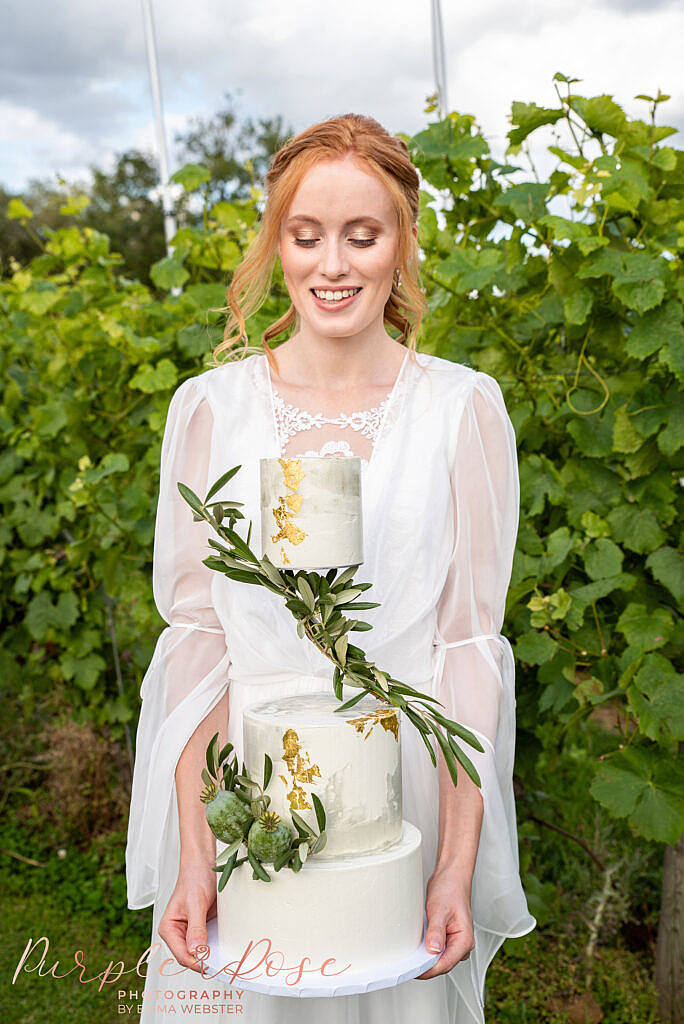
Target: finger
(459,946)
(435,937)
(196,935)
(172,931)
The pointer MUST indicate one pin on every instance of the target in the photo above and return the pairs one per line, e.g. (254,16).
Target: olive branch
(321,604)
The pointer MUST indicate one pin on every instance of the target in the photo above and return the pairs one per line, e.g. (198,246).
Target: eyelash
(306,243)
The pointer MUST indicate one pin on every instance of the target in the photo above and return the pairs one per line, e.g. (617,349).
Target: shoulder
(471,401)
(215,383)
(456,380)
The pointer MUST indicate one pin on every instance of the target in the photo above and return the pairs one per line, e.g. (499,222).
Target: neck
(310,360)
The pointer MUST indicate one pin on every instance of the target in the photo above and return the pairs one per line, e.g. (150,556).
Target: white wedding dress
(440,498)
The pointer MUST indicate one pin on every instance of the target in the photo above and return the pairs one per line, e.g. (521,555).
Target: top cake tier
(351,760)
(311,512)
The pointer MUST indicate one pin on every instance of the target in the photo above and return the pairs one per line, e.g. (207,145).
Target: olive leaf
(268,770)
(226,854)
(224,753)
(226,872)
(301,825)
(221,481)
(192,499)
(282,860)
(258,869)
(319,843)
(465,761)
(247,782)
(320,813)
(212,755)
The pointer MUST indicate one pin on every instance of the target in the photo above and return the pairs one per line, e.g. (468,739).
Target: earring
(397,276)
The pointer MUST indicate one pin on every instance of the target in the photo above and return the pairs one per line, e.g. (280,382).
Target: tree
(124,203)
(124,206)
(236,153)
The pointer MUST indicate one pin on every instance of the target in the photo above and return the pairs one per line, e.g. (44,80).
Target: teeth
(330,296)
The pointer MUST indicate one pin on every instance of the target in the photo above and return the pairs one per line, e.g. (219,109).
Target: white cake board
(311,985)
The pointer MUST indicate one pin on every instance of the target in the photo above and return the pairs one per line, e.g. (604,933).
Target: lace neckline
(291,420)
(343,419)
(373,422)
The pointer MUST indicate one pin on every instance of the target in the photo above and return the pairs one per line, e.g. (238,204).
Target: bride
(440,500)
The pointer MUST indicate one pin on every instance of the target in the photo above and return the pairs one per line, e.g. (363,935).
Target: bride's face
(338,248)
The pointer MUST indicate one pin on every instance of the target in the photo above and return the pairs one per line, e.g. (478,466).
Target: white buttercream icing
(311,512)
(363,911)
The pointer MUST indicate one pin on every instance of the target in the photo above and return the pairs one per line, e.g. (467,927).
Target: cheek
(380,264)
(295,261)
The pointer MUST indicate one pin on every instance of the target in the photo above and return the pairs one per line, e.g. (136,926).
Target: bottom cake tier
(365,911)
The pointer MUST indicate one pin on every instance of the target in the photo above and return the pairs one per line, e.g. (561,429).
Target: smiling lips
(328,298)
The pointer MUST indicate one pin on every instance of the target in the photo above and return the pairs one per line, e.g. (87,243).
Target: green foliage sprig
(222,773)
(319,604)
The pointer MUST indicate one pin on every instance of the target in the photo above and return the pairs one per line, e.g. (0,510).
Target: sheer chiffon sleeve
(475,673)
(188,672)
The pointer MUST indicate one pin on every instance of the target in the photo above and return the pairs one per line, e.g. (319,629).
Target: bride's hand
(183,926)
(450,921)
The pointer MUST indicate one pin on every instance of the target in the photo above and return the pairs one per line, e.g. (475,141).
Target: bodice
(406,510)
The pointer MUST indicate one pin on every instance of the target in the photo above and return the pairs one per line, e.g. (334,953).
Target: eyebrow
(305,218)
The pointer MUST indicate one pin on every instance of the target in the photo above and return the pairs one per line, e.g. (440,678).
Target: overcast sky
(74,87)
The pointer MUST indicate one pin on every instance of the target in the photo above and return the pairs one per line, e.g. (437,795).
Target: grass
(537,980)
(533,980)
(36,999)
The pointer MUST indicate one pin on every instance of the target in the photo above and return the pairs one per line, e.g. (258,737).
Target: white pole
(169,219)
(438,59)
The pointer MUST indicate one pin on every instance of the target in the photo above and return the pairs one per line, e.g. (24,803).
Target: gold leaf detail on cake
(293,474)
(300,768)
(289,505)
(387,718)
(288,530)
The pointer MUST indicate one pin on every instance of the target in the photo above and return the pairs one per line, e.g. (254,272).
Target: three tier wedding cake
(351,892)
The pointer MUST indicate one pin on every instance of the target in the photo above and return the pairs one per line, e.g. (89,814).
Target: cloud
(78,71)
(636,5)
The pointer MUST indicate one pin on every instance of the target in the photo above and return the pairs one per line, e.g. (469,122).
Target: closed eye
(363,243)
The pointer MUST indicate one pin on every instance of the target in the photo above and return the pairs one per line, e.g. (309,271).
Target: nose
(334,263)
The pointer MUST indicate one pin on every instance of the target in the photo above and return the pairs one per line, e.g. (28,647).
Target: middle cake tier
(351,760)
